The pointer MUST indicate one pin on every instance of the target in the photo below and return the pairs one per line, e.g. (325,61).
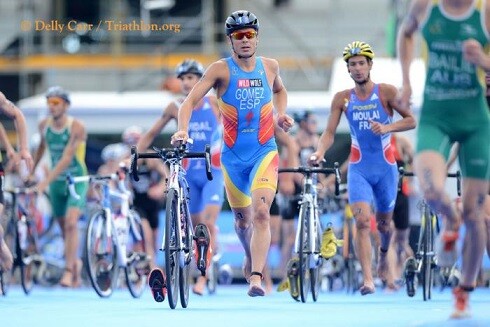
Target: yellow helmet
(357,48)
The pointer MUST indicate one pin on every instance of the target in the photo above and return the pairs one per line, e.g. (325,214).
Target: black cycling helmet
(58,92)
(239,20)
(189,66)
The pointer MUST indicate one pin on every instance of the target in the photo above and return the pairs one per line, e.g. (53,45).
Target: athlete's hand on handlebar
(179,137)
(315,159)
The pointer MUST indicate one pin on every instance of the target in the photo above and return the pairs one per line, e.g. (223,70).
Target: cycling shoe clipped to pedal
(293,277)
(203,248)
(411,276)
(157,284)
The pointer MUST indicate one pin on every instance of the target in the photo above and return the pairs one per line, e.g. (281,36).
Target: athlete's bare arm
(389,94)
(327,137)
(279,93)
(212,78)
(406,45)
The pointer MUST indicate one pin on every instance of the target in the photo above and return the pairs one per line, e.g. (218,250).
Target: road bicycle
(309,230)
(424,262)
(178,237)
(114,237)
(21,238)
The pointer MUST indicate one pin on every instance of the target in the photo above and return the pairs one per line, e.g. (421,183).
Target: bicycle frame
(178,183)
(309,228)
(122,194)
(177,243)
(425,249)
(108,236)
(310,198)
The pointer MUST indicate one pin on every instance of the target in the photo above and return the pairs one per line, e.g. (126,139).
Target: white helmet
(132,135)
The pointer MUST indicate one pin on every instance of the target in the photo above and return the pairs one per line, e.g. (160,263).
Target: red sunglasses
(240,35)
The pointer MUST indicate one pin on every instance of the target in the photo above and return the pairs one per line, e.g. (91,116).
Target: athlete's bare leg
(288,231)
(261,237)
(430,167)
(474,194)
(384,225)
(69,226)
(401,250)
(243,229)
(6,259)
(362,215)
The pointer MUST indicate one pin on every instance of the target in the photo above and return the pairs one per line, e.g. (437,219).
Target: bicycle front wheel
(138,265)
(101,255)
(315,275)
(171,248)
(303,253)
(28,256)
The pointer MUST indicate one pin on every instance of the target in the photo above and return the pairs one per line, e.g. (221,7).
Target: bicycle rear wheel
(101,255)
(138,265)
(303,254)
(426,270)
(185,269)
(171,248)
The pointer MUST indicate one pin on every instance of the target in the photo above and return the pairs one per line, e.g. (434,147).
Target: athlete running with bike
(248,88)
(204,128)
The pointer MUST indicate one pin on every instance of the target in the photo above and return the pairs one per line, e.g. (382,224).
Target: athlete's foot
(461,307)
(246,268)
(255,288)
(67,278)
(6,258)
(367,288)
(199,286)
(446,250)
(383,268)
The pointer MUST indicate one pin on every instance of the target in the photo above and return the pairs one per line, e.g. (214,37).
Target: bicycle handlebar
(456,175)
(119,176)
(169,153)
(307,171)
